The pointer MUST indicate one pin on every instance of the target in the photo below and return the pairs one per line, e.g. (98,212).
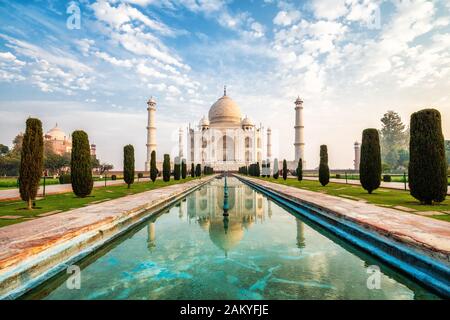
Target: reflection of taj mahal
(247,208)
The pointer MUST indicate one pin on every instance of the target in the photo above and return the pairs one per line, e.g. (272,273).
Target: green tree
(166,168)
(370,164)
(192,170)
(394,137)
(183,169)
(324,170)
(447,151)
(427,165)
(32,161)
(285,171)
(55,163)
(300,170)
(177,169)
(276,171)
(81,170)
(128,165)
(198,170)
(3,149)
(153,169)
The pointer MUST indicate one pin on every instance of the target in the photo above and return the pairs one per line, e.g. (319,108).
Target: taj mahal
(224,140)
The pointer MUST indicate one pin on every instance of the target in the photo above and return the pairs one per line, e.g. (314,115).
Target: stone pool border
(426,264)
(32,264)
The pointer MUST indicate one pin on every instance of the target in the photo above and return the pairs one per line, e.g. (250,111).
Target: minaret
(269,143)
(151,131)
(299,128)
(180,143)
(357,155)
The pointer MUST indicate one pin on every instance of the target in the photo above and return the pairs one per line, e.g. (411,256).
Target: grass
(394,177)
(68,201)
(381,197)
(11,183)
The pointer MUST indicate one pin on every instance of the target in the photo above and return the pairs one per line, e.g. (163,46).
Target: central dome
(226,111)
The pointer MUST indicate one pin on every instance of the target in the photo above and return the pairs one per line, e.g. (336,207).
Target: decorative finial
(224,91)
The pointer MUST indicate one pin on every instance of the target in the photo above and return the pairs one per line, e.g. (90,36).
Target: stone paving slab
(429,235)
(24,240)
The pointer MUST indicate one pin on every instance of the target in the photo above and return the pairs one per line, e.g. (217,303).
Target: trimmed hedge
(370,165)
(427,164)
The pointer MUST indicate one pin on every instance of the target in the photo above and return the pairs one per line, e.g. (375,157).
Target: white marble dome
(56,134)
(225,110)
(204,122)
(247,122)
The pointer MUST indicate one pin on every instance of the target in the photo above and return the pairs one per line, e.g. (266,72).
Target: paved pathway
(13,194)
(389,185)
(430,235)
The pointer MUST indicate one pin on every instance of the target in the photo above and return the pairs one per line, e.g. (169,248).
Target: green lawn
(68,201)
(11,183)
(394,178)
(382,196)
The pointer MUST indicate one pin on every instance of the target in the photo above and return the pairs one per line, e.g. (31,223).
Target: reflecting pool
(260,251)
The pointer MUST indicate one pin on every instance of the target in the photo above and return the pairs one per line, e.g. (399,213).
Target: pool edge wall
(417,264)
(25,275)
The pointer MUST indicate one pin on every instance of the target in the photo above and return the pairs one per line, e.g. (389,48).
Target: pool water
(261,251)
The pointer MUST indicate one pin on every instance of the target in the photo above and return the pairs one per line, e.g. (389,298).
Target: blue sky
(350,60)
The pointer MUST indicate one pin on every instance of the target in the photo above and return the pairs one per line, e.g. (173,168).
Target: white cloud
(329,9)
(285,18)
(113,60)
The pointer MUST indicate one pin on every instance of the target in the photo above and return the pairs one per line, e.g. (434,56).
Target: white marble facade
(225,140)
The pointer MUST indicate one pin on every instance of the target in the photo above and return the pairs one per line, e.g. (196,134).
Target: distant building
(61,143)
(357,155)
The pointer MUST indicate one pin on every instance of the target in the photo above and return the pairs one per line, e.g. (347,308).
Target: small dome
(225,110)
(247,121)
(204,122)
(56,133)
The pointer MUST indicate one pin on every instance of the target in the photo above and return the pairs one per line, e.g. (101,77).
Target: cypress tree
(31,161)
(177,169)
(153,169)
(183,169)
(324,170)
(300,170)
(276,171)
(284,169)
(198,170)
(268,168)
(166,168)
(80,165)
(192,170)
(370,164)
(257,170)
(128,165)
(427,164)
